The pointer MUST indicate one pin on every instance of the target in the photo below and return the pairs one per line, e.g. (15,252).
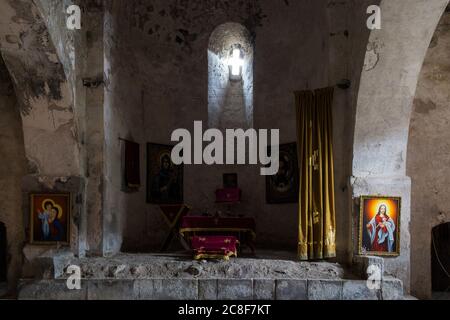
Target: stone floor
(267,276)
(266,264)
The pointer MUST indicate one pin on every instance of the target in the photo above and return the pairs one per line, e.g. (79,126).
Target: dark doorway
(2,252)
(440,258)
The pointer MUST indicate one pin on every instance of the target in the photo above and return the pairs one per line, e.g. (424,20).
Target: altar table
(243,228)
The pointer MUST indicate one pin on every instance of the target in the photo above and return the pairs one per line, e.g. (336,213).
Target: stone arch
(428,152)
(230,103)
(388,83)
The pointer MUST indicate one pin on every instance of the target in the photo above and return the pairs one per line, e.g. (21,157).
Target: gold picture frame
(50,218)
(379,213)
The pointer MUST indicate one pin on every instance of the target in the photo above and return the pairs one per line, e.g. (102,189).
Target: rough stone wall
(49,134)
(44,96)
(81,55)
(429,155)
(356,52)
(12,169)
(155,63)
(157,80)
(53,13)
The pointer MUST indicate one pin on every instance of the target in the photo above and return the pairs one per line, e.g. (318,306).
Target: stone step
(148,266)
(408,297)
(212,289)
(3,289)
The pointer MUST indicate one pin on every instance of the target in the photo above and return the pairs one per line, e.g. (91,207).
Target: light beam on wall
(230,77)
(236,63)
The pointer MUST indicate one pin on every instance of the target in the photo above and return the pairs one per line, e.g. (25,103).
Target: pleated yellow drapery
(317,227)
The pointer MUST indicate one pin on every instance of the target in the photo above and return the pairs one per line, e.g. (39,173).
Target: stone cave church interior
(225,149)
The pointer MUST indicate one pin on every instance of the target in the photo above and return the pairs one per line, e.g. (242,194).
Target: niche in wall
(230,97)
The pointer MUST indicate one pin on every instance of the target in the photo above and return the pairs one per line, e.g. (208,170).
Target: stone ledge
(212,289)
(392,289)
(234,289)
(151,266)
(361,263)
(166,289)
(291,289)
(358,290)
(207,289)
(325,289)
(110,290)
(49,290)
(264,289)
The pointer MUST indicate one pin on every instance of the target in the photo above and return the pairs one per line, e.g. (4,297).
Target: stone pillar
(386,92)
(398,267)
(89,99)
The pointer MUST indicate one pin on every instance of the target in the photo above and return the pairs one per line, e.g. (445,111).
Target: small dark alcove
(440,258)
(2,252)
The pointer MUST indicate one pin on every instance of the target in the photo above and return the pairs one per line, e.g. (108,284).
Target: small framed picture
(283,187)
(164,178)
(50,218)
(379,228)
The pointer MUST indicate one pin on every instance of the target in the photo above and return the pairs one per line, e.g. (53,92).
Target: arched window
(230,77)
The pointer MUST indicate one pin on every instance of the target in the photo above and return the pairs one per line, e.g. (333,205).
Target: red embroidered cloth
(242,228)
(200,223)
(214,247)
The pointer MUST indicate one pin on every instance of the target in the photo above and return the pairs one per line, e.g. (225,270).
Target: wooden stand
(172,214)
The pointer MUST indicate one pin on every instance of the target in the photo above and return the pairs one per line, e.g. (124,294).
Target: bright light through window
(236,63)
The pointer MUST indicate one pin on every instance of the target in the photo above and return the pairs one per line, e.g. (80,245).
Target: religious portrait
(283,187)
(379,232)
(164,178)
(49,219)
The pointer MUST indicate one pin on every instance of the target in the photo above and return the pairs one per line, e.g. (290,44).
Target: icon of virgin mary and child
(51,226)
(381,230)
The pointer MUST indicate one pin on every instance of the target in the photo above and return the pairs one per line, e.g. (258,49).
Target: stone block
(235,289)
(50,290)
(263,289)
(207,289)
(361,263)
(392,289)
(166,289)
(111,290)
(325,289)
(358,290)
(289,289)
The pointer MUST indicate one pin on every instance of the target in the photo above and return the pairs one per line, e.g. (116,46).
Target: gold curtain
(317,227)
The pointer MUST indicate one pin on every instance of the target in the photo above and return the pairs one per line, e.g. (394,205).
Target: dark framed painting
(379,227)
(164,178)
(283,187)
(131,170)
(50,218)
